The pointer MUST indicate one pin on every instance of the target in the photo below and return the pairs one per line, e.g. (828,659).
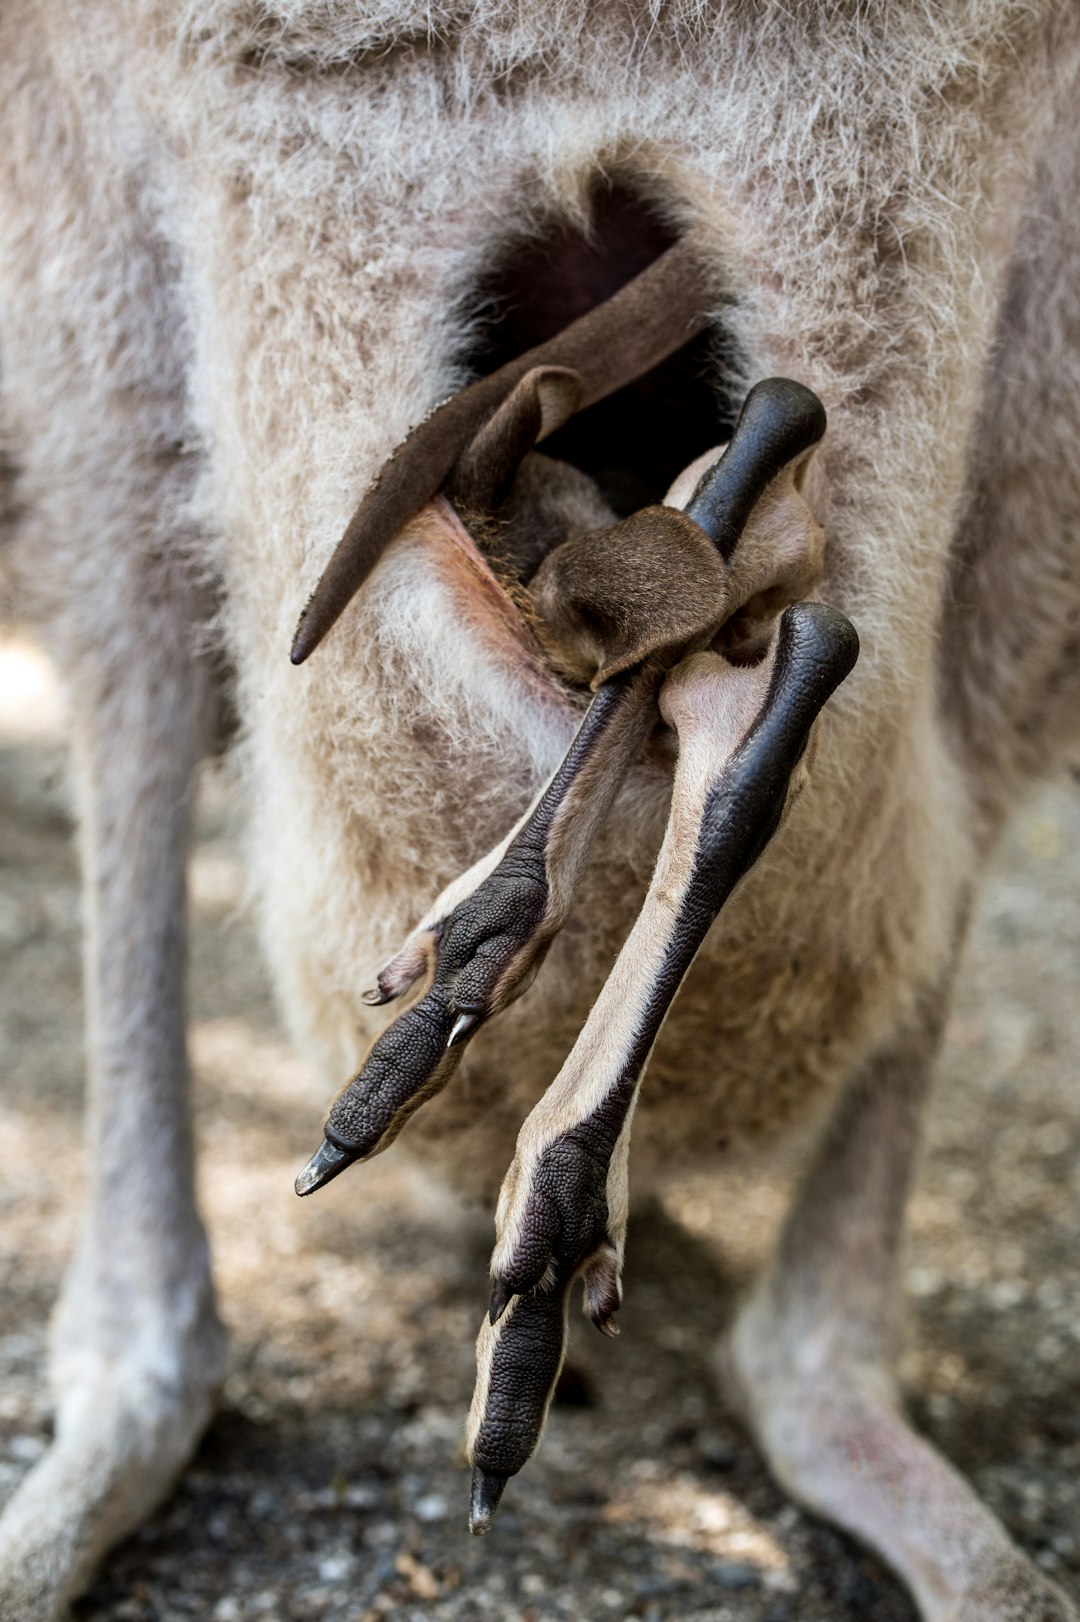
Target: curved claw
(462,1028)
(562,1210)
(325,1164)
(484,1500)
(501,1297)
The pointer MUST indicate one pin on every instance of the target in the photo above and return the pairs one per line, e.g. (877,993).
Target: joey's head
(566,377)
(541,488)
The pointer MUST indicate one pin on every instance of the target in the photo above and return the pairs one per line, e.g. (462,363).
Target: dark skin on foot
(562,1210)
(627,603)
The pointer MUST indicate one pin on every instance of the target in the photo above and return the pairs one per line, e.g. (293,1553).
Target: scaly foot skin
(488,933)
(562,1211)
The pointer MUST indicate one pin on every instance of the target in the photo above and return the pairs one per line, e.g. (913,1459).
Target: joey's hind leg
(810,1362)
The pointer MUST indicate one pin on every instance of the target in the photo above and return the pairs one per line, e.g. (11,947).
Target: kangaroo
(248,251)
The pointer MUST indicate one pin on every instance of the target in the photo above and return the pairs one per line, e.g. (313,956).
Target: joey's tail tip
(325,1164)
(486,1492)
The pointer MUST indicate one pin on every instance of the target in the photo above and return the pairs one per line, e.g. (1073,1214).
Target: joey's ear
(546,397)
(662,580)
(627,335)
(686,482)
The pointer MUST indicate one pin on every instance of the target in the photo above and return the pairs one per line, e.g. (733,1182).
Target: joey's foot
(743,732)
(486,936)
(484,954)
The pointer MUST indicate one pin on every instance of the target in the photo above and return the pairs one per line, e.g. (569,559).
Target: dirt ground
(332,1487)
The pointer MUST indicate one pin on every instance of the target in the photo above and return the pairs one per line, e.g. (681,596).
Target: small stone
(658,1583)
(431,1507)
(422,1582)
(717,1455)
(382,1532)
(734,1574)
(1053,1139)
(1006,1294)
(334,1568)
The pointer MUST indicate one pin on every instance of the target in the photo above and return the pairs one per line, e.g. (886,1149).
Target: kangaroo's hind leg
(93,388)
(811,1361)
(137,1350)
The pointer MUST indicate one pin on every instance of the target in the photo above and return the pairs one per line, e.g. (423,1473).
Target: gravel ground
(332,1485)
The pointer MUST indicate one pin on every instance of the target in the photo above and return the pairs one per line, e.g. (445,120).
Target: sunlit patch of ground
(332,1487)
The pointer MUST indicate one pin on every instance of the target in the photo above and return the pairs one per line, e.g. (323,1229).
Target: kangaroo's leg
(137,1353)
(93,379)
(811,1361)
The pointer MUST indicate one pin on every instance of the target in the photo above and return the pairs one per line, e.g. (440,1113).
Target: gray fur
(232,240)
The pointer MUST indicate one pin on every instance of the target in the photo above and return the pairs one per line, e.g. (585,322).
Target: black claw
(324,1165)
(486,1492)
(462,1028)
(501,1297)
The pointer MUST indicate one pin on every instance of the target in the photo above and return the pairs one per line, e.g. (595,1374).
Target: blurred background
(332,1484)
